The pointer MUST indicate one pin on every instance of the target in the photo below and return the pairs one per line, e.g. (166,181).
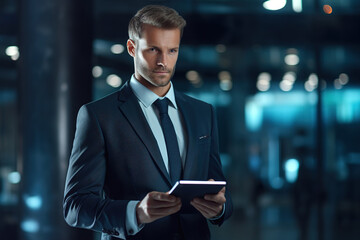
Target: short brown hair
(157,16)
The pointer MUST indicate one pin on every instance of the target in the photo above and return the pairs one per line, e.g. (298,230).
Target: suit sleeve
(215,169)
(84,205)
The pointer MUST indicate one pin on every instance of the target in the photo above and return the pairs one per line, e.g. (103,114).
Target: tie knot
(162,105)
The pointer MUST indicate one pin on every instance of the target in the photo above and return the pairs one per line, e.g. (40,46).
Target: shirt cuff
(218,217)
(132,226)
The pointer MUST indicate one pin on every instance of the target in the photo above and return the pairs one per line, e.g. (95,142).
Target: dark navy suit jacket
(115,159)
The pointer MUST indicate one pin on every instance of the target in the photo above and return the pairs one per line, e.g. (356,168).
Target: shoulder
(111,100)
(103,101)
(97,108)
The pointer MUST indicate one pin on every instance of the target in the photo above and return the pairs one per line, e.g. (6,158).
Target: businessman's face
(155,55)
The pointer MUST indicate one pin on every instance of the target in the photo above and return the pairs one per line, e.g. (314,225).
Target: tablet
(187,190)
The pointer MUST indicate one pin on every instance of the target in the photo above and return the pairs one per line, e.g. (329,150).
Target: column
(55,41)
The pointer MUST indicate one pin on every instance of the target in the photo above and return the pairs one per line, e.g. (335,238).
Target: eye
(152,49)
(173,50)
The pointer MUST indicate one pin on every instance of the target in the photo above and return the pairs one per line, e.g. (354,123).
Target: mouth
(161,72)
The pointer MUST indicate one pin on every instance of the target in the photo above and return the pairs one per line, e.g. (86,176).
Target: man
(124,160)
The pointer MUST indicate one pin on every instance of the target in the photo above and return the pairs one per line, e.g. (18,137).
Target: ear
(130,45)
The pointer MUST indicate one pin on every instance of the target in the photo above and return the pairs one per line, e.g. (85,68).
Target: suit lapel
(186,111)
(129,106)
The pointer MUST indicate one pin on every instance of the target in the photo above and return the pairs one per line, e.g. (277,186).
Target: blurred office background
(284,76)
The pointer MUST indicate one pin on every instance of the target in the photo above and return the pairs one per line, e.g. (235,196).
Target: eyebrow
(153,46)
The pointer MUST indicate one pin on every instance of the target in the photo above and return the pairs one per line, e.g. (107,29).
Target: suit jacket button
(116,233)
(131,231)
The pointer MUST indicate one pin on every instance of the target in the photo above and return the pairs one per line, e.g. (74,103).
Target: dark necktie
(172,146)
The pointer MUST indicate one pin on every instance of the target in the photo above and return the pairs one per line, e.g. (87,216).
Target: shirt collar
(147,97)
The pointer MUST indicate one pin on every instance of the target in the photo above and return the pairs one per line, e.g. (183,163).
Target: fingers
(160,196)
(207,204)
(218,198)
(206,208)
(211,205)
(156,205)
(162,200)
(162,212)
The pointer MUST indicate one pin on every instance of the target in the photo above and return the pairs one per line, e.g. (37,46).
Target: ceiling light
(291,169)
(117,49)
(193,76)
(343,78)
(292,59)
(97,71)
(290,77)
(30,225)
(114,80)
(263,81)
(263,85)
(297,5)
(264,76)
(308,86)
(226,85)
(14,177)
(274,5)
(286,86)
(13,52)
(224,75)
(15,57)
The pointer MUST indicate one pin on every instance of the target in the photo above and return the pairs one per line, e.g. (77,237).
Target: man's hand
(211,205)
(156,205)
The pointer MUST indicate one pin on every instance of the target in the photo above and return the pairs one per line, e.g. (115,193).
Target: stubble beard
(157,81)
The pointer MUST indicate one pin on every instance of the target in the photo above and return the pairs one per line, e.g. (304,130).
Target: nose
(162,60)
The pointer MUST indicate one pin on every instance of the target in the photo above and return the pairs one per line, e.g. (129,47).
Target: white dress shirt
(146,98)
